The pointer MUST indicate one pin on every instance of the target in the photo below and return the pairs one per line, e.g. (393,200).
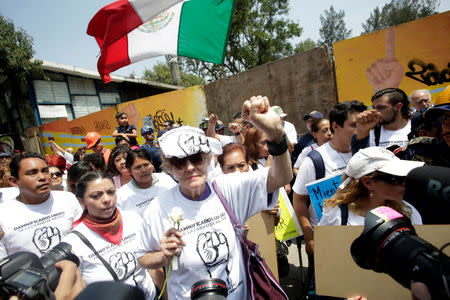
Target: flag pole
(219,85)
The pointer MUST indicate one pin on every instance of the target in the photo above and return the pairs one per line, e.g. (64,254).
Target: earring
(371,195)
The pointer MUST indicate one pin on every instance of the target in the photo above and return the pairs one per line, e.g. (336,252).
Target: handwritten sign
(288,226)
(321,190)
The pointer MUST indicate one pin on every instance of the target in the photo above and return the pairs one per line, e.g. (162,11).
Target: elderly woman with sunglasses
(374,177)
(204,241)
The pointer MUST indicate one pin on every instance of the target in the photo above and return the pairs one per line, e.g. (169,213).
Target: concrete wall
(299,84)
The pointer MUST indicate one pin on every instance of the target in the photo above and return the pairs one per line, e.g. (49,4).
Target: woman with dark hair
(74,174)
(321,131)
(199,230)
(374,177)
(116,165)
(104,239)
(79,154)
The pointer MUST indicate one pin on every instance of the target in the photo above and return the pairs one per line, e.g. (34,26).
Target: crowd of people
(150,215)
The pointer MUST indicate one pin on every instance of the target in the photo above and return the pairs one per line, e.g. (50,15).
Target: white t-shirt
(37,228)
(304,154)
(120,257)
(8,193)
(212,247)
(227,139)
(132,197)
(290,131)
(335,163)
(392,137)
(332,216)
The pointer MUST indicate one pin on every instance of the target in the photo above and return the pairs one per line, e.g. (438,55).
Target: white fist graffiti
(45,238)
(123,263)
(193,144)
(213,249)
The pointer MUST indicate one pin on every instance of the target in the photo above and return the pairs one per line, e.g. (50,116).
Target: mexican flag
(133,30)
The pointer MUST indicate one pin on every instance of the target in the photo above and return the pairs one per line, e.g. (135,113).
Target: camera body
(31,277)
(389,244)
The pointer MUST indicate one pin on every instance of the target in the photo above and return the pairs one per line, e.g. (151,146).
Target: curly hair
(355,194)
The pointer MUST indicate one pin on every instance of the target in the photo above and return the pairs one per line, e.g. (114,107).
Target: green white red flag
(128,31)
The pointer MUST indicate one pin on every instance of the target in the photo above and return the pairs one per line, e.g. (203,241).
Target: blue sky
(59,26)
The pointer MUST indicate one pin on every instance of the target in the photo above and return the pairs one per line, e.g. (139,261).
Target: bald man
(420,99)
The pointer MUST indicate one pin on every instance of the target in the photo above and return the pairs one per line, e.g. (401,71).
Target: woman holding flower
(205,244)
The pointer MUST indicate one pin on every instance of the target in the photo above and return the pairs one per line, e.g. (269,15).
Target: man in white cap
(288,127)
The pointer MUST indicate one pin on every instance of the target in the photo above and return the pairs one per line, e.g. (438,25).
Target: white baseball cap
(279,111)
(372,159)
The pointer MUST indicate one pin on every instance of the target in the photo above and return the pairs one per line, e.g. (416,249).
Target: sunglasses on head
(57,174)
(195,159)
(389,178)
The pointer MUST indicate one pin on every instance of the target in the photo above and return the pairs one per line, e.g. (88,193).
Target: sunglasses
(195,159)
(391,179)
(57,174)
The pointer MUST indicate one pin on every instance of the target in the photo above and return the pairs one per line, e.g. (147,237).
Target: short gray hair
(417,91)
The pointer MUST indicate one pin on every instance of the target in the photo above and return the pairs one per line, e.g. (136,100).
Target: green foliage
(397,12)
(260,33)
(161,73)
(305,45)
(16,51)
(333,28)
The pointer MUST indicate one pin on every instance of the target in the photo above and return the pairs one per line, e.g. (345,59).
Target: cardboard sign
(321,190)
(288,227)
(339,276)
(261,231)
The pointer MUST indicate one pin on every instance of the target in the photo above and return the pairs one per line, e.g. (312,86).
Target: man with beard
(387,125)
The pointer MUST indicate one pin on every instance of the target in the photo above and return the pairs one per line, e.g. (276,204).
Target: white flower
(176,215)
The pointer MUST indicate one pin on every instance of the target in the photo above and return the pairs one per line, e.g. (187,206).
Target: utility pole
(174,69)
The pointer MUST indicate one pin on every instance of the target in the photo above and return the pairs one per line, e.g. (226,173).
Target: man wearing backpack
(329,159)
(387,125)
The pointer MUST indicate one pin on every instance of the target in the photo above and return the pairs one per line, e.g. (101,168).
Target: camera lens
(209,289)
(62,251)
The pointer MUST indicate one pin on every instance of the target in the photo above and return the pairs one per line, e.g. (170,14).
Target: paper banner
(288,227)
(321,190)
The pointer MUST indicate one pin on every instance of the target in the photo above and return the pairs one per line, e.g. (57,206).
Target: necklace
(339,154)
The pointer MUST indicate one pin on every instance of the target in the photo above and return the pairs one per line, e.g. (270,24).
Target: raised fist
(46,238)
(123,263)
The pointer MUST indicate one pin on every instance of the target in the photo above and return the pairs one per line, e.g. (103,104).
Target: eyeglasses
(195,159)
(391,179)
(57,174)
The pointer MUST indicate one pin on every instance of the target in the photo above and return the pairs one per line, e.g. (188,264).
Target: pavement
(298,267)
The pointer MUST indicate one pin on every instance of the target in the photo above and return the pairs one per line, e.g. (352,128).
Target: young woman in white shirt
(104,238)
(374,177)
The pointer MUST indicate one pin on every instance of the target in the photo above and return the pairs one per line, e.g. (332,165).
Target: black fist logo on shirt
(213,249)
(192,144)
(45,238)
(123,263)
